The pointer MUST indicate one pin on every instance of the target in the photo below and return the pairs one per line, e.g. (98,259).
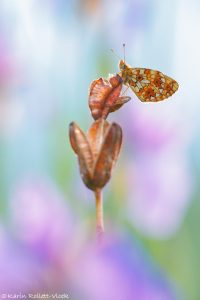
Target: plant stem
(99,215)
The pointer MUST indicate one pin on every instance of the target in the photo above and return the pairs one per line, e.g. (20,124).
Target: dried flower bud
(97,152)
(104,96)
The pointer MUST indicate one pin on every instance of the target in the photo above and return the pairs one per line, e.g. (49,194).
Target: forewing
(150,85)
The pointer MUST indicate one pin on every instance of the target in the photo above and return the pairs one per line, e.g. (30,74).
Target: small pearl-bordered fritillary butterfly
(148,85)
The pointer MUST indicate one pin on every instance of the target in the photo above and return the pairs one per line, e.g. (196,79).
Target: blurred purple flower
(20,270)
(11,110)
(7,64)
(159,177)
(119,270)
(41,218)
(159,192)
(152,129)
(49,255)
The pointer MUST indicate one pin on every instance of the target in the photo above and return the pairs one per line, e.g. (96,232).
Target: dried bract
(104,96)
(97,151)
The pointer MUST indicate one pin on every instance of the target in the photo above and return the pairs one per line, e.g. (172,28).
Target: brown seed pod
(104,96)
(97,152)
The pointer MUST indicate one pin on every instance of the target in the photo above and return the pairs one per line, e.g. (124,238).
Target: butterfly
(148,85)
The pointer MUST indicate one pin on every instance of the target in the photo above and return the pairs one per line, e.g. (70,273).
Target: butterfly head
(122,65)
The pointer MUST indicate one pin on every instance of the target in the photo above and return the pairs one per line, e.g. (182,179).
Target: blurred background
(50,51)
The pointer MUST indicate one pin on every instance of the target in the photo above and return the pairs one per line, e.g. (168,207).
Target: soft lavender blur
(159,178)
(40,218)
(42,254)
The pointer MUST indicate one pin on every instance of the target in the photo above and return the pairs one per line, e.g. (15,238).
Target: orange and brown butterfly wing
(149,85)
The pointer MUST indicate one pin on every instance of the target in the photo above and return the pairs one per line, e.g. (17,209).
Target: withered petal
(115,80)
(98,92)
(96,135)
(72,137)
(107,155)
(103,96)
(120,101)
(82,148)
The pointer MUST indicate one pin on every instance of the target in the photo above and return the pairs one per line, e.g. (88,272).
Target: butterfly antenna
(115,53)
(124,51)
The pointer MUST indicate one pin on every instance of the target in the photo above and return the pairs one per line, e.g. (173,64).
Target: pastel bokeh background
(50,51)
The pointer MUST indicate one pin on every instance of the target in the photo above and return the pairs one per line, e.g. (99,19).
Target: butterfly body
(148,85)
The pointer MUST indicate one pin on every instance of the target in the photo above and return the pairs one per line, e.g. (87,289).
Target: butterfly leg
(124,92)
